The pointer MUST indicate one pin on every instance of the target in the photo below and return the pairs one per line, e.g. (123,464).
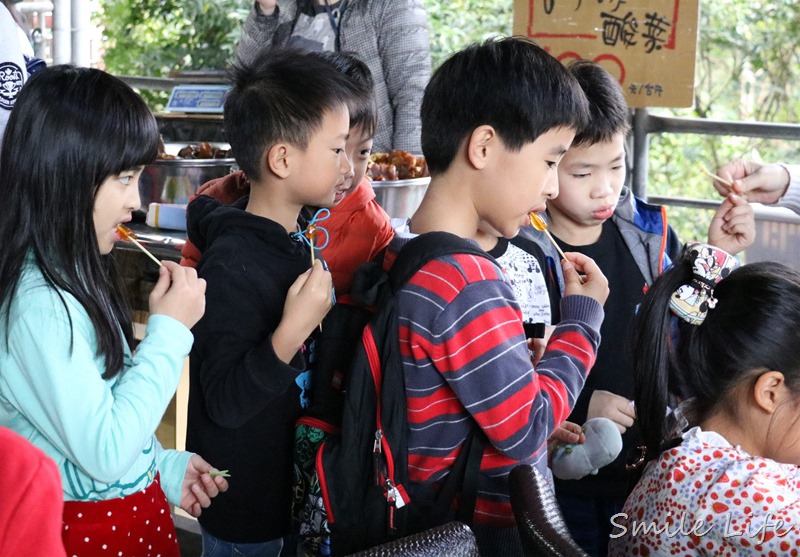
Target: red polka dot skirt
(139,525)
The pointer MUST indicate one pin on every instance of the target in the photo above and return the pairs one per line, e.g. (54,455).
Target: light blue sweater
(99,432)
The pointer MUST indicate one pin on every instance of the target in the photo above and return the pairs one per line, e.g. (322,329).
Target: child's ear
(479,145)
(770,391)
(277,160)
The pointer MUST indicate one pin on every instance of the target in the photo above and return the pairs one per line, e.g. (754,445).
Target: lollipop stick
(146,252)
(539,224)
(129,235)
(717,178)
(560,251)
(313,260)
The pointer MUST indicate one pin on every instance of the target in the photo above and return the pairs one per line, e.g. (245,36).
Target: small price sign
(197,98)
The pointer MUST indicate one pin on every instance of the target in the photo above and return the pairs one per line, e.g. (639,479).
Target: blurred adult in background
(390,36)
(762,183)
(12,66)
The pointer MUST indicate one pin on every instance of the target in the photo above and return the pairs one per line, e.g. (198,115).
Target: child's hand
(760,183)
(733,227)
(537,346)
(199,488)
(618,409)
(593,283)
(309,299)
(179,293)
(566,433)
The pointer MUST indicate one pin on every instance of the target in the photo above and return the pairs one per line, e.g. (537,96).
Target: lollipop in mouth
(129,235)
(539,224)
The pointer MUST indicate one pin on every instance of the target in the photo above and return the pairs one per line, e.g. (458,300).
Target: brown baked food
(202,150)
(396,165)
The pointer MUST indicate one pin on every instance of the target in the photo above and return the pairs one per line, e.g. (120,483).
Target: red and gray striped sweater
(464,353)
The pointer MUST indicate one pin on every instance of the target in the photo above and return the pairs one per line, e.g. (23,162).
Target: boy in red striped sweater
(496,120)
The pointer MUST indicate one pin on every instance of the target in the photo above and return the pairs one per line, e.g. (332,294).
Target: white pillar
(37,9)
(62,23)
(81,28)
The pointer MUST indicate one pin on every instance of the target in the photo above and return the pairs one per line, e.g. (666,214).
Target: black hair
(609,113)
(282,95)
(363,107)
(70,130)
(755,326)
(511,84)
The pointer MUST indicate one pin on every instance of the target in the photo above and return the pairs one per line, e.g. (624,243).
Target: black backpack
(362,470)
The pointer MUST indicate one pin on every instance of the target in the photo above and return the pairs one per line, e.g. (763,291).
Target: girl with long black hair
(723,474)
(72,154)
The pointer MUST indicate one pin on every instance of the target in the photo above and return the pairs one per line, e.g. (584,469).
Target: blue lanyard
(312,227)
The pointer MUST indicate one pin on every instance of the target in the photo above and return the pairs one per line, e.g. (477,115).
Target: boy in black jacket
(287,121)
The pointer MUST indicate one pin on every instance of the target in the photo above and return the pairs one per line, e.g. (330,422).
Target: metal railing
(645,124)
(181,78)
(778,230)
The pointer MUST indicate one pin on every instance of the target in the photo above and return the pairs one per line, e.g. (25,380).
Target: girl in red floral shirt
(723,475)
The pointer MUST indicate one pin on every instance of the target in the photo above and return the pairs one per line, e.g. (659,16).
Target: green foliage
(744,72)
(457,23)
(155,38)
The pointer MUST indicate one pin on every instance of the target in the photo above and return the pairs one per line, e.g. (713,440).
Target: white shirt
(12,66)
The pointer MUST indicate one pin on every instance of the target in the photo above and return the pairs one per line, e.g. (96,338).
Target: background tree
(156,38)
(744,72)
(457,23)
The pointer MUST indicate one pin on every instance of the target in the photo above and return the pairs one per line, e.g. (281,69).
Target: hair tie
(710,265)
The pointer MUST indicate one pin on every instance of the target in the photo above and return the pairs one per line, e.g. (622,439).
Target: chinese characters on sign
(649,45)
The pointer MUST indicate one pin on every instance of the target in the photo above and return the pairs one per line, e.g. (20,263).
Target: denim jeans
(215,547)
(589,520)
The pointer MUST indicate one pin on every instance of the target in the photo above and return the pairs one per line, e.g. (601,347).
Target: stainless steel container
(176,180)
(400,198)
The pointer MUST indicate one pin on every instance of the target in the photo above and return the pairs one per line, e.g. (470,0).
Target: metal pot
(176,180)
(400,198)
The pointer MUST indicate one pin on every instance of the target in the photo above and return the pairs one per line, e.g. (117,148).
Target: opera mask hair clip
(710,265)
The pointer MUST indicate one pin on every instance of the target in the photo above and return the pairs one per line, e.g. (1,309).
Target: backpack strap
(469,489)
(425,248)
(464,474)
(465,471)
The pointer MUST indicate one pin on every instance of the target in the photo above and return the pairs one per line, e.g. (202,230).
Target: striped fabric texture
(465,354)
